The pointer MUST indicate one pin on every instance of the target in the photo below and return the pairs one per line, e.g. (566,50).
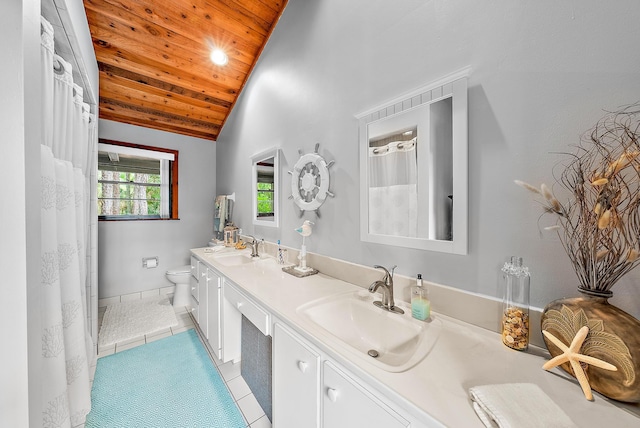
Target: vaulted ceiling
(154,59)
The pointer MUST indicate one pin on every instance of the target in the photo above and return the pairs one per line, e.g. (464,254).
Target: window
(136,182)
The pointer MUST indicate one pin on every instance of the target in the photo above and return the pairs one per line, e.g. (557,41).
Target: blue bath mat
(168,383)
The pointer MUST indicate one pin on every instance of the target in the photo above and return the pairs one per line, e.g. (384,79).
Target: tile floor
(253,414)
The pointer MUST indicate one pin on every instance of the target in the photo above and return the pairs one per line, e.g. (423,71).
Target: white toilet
(180,277)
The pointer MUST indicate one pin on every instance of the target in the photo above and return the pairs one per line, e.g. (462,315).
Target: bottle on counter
(281,255)
(420,304)
(515,304)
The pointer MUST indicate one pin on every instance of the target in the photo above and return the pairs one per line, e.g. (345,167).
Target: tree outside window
(265,199)
(136,182)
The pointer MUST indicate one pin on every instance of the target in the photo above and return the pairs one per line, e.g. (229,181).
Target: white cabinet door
(194,279)
(296,381)
(194,266)
(203,287)
(214,284)
(348,404)
(193,283)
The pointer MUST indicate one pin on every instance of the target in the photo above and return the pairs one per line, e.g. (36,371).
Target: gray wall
(543,72)
(123,244)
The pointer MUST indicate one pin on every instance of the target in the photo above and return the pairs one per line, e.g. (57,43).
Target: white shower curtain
(67,243)
(393,197)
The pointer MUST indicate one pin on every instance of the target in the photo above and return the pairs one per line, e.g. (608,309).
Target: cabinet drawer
(195,288)
(253,312)
(195,265)
(194,309)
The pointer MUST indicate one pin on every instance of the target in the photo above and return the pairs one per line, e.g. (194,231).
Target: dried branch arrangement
(599,225)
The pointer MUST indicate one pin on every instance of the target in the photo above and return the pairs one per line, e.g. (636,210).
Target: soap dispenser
(420,304)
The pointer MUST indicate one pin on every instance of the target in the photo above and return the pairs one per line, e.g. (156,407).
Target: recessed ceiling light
(218,57)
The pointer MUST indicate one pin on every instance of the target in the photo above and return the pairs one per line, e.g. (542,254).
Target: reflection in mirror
(393,176)
(222,214)
(441,157)
(265,188)
(404,199)
(413,161)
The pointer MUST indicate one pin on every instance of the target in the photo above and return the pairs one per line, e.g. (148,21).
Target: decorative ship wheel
(310,181)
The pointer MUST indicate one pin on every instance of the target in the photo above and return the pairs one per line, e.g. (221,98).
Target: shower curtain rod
(399,144)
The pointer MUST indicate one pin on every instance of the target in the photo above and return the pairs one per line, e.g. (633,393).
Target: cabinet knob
(302,365)
(193,288)
(238,305)
(332,394)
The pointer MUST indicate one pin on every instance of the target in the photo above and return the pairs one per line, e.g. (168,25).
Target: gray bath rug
(129,320)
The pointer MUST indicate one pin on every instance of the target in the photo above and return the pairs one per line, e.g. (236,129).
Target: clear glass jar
(515,304)
(231,235)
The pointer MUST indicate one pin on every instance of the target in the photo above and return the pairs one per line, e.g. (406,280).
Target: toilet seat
(179,270)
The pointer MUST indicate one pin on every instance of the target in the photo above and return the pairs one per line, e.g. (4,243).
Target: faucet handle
(381,267)
(387,274)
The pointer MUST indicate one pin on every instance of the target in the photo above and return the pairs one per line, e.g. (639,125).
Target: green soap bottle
(420,304)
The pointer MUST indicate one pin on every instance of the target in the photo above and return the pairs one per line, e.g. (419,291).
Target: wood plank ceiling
(153,57)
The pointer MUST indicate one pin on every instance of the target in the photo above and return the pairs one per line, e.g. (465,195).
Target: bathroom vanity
(320,380)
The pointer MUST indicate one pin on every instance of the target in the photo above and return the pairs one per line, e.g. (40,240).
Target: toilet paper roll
(151,263)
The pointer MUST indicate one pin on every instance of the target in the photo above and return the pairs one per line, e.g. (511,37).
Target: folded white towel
(521,405)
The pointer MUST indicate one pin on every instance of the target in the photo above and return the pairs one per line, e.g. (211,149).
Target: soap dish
(291,270)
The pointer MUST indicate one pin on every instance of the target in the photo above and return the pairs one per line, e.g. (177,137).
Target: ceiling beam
(121,107)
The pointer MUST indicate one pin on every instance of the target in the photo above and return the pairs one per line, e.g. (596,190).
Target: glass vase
(515,304)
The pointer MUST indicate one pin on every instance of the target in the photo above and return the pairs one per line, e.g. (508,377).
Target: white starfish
(574,357)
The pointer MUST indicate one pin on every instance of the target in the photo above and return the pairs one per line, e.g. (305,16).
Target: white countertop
(463,356)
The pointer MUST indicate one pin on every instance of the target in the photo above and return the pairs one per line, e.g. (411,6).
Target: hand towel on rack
(521,405)
(220,205)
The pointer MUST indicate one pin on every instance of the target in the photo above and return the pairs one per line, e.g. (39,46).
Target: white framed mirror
(265,182)
(414,168)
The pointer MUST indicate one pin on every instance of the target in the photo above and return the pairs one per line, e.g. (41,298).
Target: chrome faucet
(254,246)
(386,283)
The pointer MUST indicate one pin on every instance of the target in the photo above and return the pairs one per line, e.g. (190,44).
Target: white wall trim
(448,79)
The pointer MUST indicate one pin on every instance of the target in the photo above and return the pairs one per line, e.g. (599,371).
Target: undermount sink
(390,341)
(235,259)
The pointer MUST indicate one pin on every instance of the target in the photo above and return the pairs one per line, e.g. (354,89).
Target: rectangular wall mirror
(413,169)
(266,188)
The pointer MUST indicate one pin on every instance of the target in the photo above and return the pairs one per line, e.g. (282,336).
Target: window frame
(173,182)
